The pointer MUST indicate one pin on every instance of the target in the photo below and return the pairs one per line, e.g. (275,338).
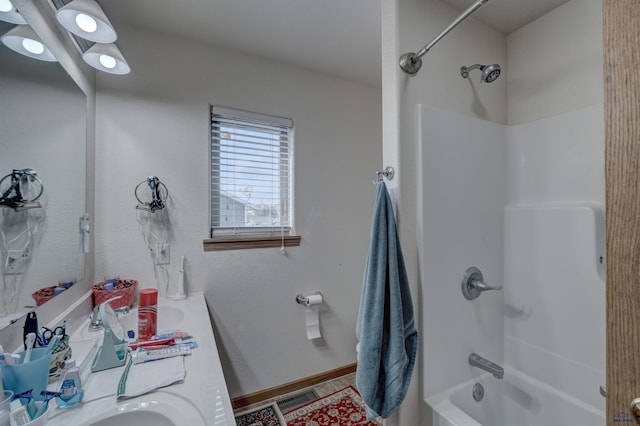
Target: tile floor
(322,389)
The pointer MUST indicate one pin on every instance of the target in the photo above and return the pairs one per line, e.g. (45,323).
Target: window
(251,191)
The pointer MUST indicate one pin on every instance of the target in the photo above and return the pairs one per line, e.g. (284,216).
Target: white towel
(139,379)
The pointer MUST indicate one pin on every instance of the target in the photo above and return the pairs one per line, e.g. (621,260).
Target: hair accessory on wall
(153,220)
(21,189)
(156,196)
(19,231)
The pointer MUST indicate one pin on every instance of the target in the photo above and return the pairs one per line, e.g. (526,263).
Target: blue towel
(386,331)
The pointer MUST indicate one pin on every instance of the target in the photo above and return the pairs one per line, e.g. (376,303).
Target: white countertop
(204,385)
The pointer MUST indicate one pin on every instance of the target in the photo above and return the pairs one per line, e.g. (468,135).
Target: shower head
(490,73)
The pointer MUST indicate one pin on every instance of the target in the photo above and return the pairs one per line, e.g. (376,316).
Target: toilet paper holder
(303,300)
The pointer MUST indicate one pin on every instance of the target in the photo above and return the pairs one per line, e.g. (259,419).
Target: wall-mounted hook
(387,173)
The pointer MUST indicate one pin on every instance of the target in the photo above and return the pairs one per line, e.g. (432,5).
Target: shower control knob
(473,284)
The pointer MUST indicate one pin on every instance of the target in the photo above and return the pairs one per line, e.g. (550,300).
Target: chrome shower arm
(468,11)
(464,71)
(411,62)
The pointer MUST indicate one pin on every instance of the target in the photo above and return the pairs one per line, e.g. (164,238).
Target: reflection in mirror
(42,130)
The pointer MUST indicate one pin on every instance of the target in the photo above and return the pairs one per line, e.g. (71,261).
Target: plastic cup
(32,375)
(4,407)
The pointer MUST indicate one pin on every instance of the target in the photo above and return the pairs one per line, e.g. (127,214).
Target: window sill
(236,243)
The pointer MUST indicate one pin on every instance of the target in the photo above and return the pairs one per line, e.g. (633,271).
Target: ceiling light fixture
(24,40)
(106,58)
(86,19)
(9,13)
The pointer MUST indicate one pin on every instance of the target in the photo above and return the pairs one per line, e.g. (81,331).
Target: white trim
(238,114)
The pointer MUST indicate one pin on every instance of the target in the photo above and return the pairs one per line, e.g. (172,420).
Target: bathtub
(516,400)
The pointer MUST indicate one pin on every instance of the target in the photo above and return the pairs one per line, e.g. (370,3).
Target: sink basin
(156,409)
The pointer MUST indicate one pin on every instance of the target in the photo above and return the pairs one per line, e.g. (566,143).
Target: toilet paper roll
(314,299)
(312,316)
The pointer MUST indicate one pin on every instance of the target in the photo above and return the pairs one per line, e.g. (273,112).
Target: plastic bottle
(71,387)
(147,314)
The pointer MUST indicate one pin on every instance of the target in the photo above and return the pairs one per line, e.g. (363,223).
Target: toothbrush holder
(31,375)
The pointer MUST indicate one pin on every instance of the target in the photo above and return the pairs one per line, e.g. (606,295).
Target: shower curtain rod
(411,62)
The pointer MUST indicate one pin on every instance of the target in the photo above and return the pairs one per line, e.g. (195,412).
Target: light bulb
(33,46)
(86,23)
(6,6)
(107,61)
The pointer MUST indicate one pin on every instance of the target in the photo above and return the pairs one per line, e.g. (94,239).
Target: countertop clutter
(201,399)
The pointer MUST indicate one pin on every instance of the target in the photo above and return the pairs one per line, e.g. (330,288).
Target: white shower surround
(517,400)
(528,201)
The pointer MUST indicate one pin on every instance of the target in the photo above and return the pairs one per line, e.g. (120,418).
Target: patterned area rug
(266,415)
(342,408)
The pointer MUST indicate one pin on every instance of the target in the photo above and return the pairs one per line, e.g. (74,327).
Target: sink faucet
(96,322)
(486,365)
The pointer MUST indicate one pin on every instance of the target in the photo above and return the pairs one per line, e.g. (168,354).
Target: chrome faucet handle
(96,320)
(482,286)
(473,284)
(122,311)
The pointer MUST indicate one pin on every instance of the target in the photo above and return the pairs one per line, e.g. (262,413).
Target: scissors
(47,333)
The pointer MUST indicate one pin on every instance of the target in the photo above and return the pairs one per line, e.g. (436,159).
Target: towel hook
(388,173)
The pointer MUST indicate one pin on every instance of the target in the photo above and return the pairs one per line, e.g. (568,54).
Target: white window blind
(251,191)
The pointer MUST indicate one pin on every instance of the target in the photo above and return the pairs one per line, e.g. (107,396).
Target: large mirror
(42,128)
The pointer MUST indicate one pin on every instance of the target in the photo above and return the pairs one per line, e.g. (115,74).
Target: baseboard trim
(252,398)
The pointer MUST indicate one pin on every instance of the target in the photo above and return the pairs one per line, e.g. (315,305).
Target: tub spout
(486,365)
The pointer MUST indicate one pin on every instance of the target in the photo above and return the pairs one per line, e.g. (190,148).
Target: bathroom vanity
(202,399)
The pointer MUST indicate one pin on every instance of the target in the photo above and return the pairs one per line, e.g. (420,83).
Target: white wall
(463,175)
(554,252)
(554,227)
(154,121)
(555,62)
(558,159)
